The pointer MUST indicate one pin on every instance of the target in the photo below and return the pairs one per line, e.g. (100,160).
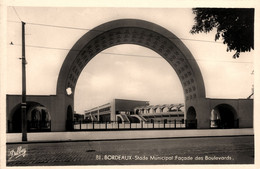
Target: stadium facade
(134,111)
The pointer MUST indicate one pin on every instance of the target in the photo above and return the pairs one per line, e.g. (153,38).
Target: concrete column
(59,114)
(113,111)
(98,114)
(203,112)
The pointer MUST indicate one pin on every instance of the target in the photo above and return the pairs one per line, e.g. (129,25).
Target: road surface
(206,150)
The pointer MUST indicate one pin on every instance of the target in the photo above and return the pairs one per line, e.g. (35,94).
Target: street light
(23,105)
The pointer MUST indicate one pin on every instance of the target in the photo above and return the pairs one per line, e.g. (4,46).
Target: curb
(64,141)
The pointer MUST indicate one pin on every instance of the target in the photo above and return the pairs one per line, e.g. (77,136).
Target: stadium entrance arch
(131,31)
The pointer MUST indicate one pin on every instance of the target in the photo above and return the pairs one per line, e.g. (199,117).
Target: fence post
(175,123)
(106,125)
(80,124)
(8,126)
(130,125)
(141,124)
(40,124)
(118,125)
(93,125)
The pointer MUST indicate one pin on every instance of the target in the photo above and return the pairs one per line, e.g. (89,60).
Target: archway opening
(191,119)
(191,113)
(69,121)
(38,118)
(224,116)
(138,74)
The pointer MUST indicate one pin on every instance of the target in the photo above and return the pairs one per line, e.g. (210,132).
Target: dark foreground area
(206,150)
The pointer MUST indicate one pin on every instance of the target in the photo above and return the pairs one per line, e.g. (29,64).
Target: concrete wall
(203,107)
(13,100)
(56,104)
(246,113)
(128,105)
(243,107)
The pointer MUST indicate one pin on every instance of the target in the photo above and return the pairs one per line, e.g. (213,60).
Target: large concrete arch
(139,32)
(130,31)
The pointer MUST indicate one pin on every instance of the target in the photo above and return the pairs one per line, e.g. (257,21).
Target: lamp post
(23,105)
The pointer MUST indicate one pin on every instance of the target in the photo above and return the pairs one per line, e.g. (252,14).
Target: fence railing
(39,125)
(32,126)
(175,124)
(224,124)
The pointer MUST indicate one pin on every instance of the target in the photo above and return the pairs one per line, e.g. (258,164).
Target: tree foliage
(234,25)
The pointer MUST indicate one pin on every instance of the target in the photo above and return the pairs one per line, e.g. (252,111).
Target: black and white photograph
(128,85)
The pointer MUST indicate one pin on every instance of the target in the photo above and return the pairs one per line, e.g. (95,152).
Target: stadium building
(134,111)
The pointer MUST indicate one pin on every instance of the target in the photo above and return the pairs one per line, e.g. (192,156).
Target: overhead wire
(88,29)
(122,54)
(17,13)
(57,26)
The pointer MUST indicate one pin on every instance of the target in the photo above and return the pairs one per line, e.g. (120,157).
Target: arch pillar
(202,107)
(59,118)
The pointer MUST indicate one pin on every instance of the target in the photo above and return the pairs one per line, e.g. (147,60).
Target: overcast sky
(109,76)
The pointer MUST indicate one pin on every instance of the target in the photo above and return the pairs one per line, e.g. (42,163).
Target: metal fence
(175,124)
(224,124)
(39,125)
(32,126)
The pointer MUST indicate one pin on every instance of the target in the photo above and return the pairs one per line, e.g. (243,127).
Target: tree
(234,25)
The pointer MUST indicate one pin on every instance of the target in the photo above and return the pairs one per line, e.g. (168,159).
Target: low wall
(128,134)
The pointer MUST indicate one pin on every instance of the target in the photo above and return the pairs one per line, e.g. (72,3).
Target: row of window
(156,110)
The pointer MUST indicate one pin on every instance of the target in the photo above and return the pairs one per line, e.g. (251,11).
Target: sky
(109,75)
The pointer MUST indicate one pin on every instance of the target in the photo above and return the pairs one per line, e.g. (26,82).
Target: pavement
(125,134)
(202,150)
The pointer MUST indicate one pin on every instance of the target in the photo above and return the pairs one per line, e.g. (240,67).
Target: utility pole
(23,105)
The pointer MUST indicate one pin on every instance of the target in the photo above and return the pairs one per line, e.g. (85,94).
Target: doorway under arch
(38,118)
(191,113)
(224,116)
(191,118)
(69,121)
